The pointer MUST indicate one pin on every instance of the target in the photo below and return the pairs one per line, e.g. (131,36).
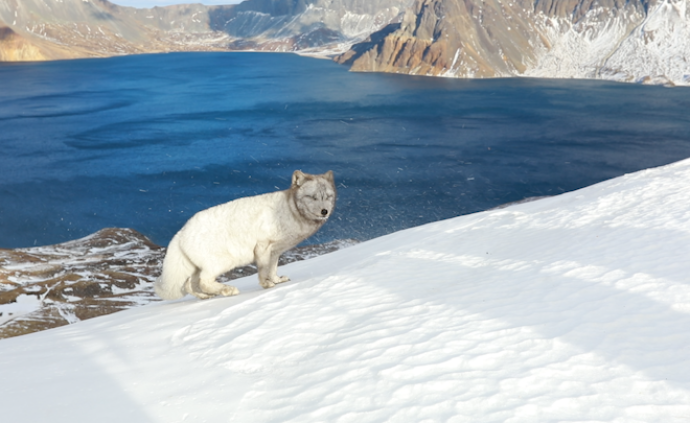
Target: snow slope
(571,308)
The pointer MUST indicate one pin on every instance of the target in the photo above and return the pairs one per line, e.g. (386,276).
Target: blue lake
(146,141)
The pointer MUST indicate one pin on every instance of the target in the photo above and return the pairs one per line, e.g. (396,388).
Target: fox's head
(314,195)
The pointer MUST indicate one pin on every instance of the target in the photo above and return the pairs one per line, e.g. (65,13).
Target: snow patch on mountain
(628,46)
(658,50)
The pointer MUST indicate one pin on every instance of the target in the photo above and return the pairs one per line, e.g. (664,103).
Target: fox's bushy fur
(254,229)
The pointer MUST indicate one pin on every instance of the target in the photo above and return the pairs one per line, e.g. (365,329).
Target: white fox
(254,229)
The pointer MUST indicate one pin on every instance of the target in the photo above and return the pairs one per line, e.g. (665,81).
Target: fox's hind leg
(210,287)
(192,286)
(202,284)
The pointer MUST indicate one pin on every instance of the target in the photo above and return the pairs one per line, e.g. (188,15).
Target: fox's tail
(176,270)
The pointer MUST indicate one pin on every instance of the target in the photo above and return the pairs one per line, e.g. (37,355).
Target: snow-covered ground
(571,308)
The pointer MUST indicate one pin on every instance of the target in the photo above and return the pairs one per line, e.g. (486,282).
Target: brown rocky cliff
(451,37)
(14,48)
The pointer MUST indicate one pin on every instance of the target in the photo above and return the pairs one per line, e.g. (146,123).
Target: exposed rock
(109,271)
(626,40)
(450,38)
(14,48)
(51,286)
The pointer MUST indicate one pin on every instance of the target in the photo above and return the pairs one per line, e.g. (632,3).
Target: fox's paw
(268,283)
(265,284)
(229,291)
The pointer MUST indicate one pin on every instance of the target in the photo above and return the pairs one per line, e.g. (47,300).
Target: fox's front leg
(267,265)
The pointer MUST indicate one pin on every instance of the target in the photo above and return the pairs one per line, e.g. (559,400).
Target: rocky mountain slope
(53,29)
(626,40)
(304,24)
(59,29)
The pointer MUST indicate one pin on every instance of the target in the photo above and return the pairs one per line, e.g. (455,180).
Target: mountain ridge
(97,28)
(640,41)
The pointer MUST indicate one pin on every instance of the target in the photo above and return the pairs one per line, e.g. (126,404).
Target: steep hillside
(54,29)
(626,40)
(14,48)
(77,28)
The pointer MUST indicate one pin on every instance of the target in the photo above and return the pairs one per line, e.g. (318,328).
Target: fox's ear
(329,175)
(298,178)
